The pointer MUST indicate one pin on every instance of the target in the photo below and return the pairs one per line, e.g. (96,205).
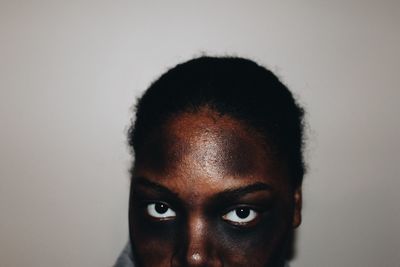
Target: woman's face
(206,192)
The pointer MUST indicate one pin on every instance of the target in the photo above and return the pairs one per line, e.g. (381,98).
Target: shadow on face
(206,192)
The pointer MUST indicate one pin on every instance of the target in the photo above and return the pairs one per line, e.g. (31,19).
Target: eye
(240,216)
(160,211)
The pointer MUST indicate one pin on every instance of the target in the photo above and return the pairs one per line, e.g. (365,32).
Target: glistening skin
(206,191)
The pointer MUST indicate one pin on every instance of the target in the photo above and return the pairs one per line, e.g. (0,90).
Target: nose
(197,248)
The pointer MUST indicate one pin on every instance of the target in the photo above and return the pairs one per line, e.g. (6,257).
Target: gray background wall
(70,72)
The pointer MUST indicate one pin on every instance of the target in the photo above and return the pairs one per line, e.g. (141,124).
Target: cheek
(261,245)
(153,243)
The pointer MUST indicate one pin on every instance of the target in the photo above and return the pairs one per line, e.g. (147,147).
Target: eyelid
(254,207)
(146,196)
(252,218)
(152,212)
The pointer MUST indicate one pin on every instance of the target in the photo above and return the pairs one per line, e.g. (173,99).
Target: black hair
(232,86)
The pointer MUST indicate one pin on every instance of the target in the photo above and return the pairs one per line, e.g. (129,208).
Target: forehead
(206,145)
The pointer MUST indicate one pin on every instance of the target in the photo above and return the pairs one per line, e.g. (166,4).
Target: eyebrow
(142,181)
(226,195)
(236,193)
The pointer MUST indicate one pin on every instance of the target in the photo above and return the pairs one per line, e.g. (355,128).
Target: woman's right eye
(160,211)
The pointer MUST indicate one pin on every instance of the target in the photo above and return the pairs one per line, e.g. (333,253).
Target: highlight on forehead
(207,140)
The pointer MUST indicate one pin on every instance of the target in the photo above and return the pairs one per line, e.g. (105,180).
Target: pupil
(243,212)
(161,208)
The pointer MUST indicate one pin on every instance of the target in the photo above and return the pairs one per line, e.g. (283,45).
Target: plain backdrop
(70,72)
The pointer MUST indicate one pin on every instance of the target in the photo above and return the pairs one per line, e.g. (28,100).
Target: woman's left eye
(240,216)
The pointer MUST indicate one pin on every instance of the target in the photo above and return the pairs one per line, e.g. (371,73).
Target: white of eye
(241,215)
(160,211)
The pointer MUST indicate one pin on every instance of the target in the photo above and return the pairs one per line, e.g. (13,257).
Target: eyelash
(241,215)
(237,215)
(160,211)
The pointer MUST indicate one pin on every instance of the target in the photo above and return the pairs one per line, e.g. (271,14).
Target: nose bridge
(196,248)
(196,253)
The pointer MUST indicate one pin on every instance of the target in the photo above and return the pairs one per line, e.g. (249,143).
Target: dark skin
(207,192)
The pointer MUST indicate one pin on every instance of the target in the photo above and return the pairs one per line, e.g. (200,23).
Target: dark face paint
(206,193)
